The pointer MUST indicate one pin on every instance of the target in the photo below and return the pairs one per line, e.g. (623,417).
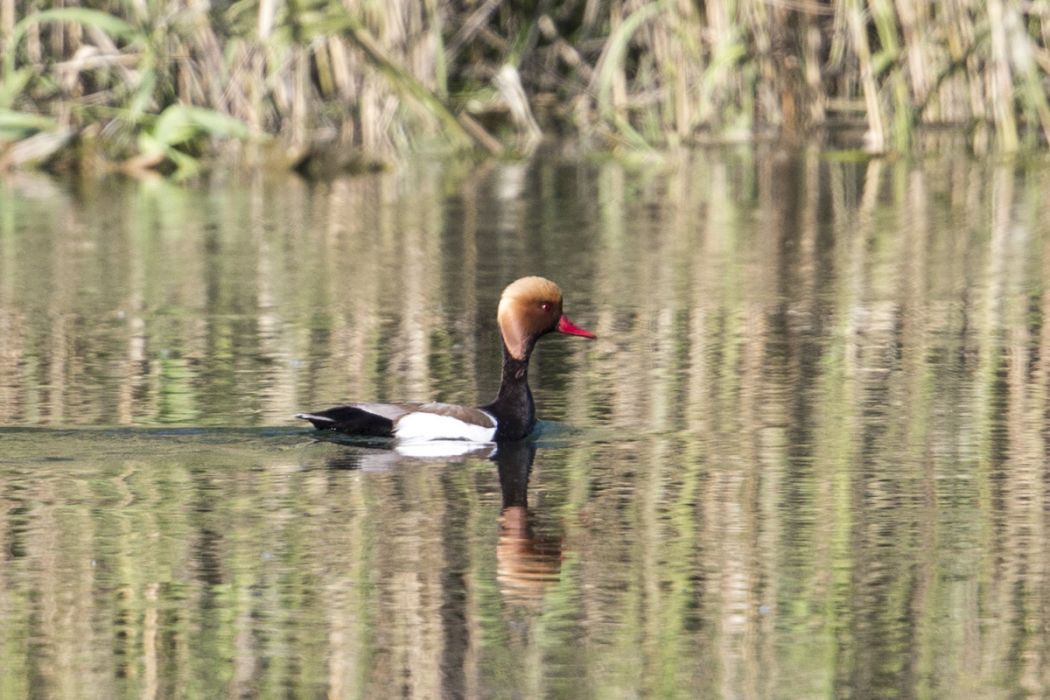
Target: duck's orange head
(528,309)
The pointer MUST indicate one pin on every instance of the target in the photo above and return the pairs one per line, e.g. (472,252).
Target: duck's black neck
(513,407)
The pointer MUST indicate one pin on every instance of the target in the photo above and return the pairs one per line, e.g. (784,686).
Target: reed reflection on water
(806,456)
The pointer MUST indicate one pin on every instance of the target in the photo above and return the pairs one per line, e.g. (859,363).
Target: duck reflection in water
(525,564)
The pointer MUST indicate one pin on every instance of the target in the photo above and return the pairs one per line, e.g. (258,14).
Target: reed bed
(321,84)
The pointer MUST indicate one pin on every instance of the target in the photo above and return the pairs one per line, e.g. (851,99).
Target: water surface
(807,456)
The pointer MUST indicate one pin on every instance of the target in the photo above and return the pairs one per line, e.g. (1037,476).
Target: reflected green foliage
(805,458)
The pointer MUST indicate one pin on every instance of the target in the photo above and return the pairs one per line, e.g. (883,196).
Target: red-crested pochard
(529,309)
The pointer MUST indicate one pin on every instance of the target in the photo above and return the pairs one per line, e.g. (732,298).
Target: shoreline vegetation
(322,86)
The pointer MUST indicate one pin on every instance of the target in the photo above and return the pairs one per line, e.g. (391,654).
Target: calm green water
(807,456)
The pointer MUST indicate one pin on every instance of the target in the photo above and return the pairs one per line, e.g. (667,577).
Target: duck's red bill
(570,328)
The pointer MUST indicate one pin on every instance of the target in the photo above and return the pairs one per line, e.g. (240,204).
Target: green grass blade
(16,125)
(103,21)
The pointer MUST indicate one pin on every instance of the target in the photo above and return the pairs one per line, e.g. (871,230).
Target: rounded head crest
(532,288)
(528,308)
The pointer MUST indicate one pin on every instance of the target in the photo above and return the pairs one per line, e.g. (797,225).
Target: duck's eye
(546,306)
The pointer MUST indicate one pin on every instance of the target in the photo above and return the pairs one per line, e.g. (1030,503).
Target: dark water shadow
(28,445)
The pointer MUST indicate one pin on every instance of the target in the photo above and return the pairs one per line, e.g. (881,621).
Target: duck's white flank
(421,425)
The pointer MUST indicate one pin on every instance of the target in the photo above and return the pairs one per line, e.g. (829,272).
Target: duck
(529,309)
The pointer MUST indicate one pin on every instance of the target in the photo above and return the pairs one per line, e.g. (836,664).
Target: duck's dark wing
(374,419)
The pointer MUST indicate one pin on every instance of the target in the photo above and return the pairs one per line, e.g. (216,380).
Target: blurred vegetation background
(330,84)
